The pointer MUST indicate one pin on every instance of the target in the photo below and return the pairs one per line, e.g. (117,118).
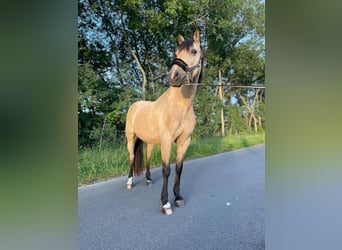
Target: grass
(96,165)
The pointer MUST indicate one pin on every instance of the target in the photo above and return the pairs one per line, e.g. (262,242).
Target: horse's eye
(193,51)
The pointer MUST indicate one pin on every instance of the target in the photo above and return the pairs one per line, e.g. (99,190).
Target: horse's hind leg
(181,150)
(149,149)
(130,146)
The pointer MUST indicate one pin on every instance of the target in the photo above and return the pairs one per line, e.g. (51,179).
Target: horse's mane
(201,76)
(186,45)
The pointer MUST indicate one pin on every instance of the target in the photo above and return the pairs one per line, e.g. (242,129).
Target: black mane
(187,44)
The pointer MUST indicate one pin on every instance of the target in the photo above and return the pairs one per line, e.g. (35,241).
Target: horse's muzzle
(177,77)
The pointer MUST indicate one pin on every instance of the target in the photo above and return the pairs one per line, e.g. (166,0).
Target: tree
(236,121)
(126,49)
(250,104)
(207,108)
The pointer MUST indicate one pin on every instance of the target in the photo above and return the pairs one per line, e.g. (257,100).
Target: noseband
(179,62)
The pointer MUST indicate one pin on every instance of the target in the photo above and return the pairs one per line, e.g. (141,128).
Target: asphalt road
(224,207)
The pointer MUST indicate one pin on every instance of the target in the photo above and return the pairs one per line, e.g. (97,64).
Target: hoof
(149,182)
(129,183)
(166,209)
(179,203)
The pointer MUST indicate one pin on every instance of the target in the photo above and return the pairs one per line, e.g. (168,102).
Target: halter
(179,62)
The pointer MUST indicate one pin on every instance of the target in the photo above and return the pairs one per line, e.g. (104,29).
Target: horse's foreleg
(149,149)
(165,151)
(181,150)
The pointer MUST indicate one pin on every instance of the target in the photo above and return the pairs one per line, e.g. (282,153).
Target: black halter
(184,65)
(179,62)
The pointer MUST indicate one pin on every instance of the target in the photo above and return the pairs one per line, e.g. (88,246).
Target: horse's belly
(148,135)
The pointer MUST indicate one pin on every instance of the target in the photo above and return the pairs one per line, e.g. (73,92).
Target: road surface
(224,207)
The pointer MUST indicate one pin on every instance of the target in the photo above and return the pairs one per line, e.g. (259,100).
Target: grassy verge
(95,165)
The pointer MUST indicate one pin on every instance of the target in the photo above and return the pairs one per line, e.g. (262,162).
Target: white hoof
(166,209)
(129,184)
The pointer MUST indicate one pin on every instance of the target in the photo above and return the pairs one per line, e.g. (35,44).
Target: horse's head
(187,67)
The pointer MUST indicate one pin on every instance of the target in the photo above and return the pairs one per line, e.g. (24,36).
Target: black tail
(138,157)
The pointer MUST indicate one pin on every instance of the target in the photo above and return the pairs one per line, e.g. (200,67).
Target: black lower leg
(176,187)
(164,192)
(148,174)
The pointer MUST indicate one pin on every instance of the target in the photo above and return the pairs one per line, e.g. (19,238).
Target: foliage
(236,121)
(207,109)
(113,33)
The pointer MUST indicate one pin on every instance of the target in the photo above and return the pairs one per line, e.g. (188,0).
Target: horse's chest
(178,124)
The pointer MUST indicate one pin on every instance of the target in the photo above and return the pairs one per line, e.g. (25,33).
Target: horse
(169,119)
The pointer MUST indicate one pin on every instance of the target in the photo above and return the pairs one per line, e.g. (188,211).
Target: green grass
(95,165)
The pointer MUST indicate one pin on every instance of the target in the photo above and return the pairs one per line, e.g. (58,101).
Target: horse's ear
(180,38)
(197,36)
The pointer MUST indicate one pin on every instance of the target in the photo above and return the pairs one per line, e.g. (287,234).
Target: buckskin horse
(169,119)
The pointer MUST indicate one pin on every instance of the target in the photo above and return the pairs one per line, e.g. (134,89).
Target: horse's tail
(138,157)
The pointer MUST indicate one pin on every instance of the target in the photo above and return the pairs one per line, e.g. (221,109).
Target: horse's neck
(184,94)
(189,92)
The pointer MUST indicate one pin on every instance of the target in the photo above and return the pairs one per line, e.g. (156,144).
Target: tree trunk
(250,110)
(221,98)
(104,124)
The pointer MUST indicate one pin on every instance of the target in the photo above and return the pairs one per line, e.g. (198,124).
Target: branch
(134,55)
(141,69)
